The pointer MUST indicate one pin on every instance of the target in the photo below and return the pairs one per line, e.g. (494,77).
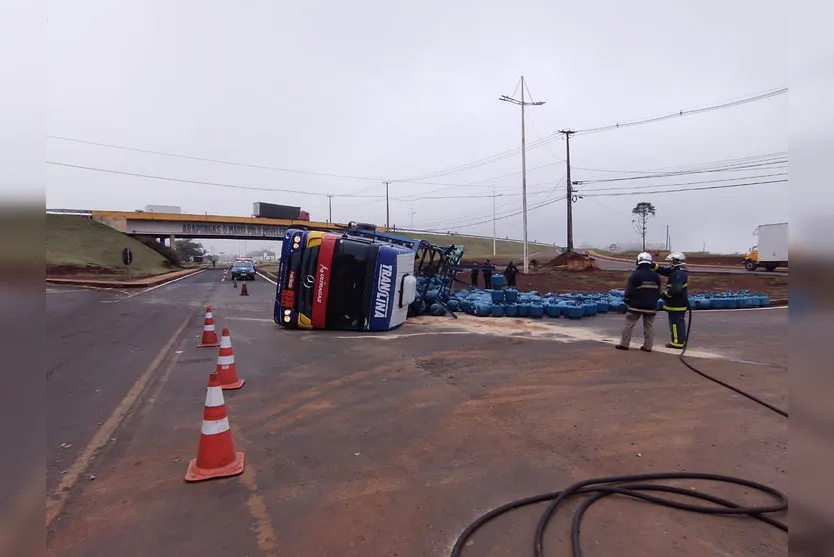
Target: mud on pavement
(391,444)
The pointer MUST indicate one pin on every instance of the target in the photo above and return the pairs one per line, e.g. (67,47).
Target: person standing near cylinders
(473,275)
(510,272)
(676,297)
(641,295)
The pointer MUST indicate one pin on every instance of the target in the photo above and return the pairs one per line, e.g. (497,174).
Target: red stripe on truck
(321,287)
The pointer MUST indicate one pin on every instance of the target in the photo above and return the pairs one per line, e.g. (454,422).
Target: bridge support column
(171,241)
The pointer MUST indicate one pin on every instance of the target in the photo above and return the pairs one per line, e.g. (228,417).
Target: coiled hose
(636,487)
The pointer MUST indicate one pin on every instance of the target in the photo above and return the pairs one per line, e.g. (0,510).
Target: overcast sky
(386,90)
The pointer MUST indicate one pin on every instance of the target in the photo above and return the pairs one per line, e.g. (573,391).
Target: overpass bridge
(179,225)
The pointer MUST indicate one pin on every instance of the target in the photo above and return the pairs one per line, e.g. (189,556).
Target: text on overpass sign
(230,229)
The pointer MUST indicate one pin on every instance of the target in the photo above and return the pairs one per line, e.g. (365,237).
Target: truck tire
(770,267)
(750,265)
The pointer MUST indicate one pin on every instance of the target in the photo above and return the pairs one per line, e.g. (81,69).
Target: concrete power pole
(523,103)
(387,208)
(330,208)
(570,193)
(494,251)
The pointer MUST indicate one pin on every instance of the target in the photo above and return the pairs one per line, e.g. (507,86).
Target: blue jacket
(643,289)
(676,294)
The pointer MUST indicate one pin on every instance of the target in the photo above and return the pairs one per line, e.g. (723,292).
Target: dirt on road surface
(390,444)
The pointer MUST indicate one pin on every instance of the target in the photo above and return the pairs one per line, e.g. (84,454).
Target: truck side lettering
(383,292)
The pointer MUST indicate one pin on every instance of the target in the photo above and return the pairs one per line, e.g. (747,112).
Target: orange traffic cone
(209,332)
(226,368)
(216,455)
(243,290)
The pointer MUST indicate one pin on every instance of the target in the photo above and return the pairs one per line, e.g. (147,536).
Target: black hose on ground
(722,383)
(634,486)
(597,489)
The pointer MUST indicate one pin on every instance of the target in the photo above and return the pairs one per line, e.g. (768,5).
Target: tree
(642,212)
(187,249)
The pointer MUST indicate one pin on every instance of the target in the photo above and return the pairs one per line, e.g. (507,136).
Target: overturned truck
(360,280)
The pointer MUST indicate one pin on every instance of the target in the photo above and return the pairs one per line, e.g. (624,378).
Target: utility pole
(494,252)
(668,248)
(330,208)
(387,208)
(570,193)
(412,218)
(523,103)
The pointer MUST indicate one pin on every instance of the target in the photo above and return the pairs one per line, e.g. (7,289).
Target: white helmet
(676,258)
(644,257)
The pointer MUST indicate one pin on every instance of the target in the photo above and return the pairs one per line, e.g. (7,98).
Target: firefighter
(675,297)
(641,295)
(510,272)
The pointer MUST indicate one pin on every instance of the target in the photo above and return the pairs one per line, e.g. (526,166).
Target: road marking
(55,504)
(258,319)
(133,295)
(266,278)
(167,283)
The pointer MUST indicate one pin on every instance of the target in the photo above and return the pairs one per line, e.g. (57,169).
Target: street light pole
(523,103)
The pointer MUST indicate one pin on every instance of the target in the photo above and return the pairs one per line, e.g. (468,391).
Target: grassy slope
(73,241)
(478,247)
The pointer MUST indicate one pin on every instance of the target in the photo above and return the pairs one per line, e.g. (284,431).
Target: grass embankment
(80,247)
(480,247)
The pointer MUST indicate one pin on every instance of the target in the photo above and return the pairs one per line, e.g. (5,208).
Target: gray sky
(388,91)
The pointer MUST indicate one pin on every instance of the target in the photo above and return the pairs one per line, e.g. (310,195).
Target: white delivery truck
(772,249)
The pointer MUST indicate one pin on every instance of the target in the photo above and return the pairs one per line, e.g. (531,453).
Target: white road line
(165,284)
(258,319)
(266,278)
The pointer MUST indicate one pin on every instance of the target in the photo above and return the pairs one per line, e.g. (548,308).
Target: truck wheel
(770,267)
(750,265)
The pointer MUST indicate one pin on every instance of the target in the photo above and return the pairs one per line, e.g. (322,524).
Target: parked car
(243,270)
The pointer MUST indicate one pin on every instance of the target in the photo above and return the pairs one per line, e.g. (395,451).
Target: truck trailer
(273,211)
(772,248)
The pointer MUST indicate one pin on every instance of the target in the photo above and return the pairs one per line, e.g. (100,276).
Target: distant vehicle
(162,209)
(327,281)
(772,250)
(273,211)
(243,270)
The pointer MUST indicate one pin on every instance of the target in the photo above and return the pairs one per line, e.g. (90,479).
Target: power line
(684,189)
(205,159)
(686,173)
(242,187)
(688,183)
(689,112)
(710,164)
(549,138)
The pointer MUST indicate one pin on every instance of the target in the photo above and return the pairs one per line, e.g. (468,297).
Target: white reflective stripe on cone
(214,397)
(225,341)
(209,315)
(208,327)
(225,360)
(215,427)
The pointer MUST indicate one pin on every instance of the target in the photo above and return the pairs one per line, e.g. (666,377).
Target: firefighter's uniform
(675,301)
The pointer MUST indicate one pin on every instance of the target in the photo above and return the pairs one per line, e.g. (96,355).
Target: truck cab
(328,281)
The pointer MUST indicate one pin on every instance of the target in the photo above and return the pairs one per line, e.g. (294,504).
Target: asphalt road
(391,444)
(609,265)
